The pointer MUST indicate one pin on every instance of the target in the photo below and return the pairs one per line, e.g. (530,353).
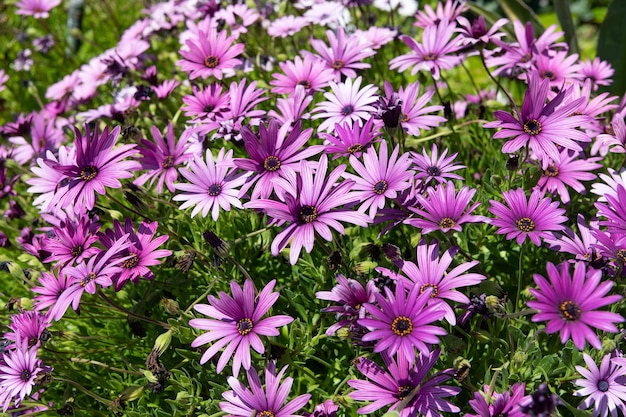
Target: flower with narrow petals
(435,167)
(414,113)
(598,71)
(450,11)
(614,211)
(505,404)
(570,304)
(310,73)
(39,9)
(237,322)
(351,138)
(72,242)
(19,368)
(209,54)
(534,218)
(604,387)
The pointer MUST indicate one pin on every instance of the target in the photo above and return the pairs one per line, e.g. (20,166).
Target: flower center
(167,162)
(548,74)
(244,326)
(435,288)
(89,173)
(402,326)
(308,214)
(525,225)
(433,171)
(380,187)
(25,375)
(603,385)
(131,262)
(526,58)
(265,413)
(352,149)
(214,190)
(621,255)
(305,83)
(532,127)
(570,310)
(404,118)
(209,108)
(87,279)
(403,391)
(347,110)
(446,223)
(211,61)
(271,163)
(338,64)
(76,250)
(431,56)
(551,171)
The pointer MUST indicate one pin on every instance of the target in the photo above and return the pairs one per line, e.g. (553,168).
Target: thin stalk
(132,314)
(85,390)
(104,365)
(495,80)
(519,275)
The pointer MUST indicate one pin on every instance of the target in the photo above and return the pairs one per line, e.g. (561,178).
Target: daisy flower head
(603,387)
(616,140)
(435,167)
(598,71)
(380,177)
(309,72)
(414,114)
(541,126)
(402,321)
(435,53)
(347,102)
(614,211)
(581,247)
(450,11)
(19,368)
(212,185)
(209,54)
(39,9)
(206,103)
(505,404)
(286,26)
(72,242)
(476,32)
(268,402)
(559,68)
(236,321)
(570,304)
(351,138)
(404,385)
(294,107)
(238,17)
(534,218)
(609,184)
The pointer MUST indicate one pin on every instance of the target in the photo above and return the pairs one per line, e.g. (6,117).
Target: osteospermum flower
(402,322)
(351,139)
(598,71)
(19,368)
(39,9)
(539,125)
(534,218)
(380,177)
(209,54)
(614,211)
(72,242)
(286,26)
(449,11)
(211,186)
(207,103)
(505,404)
(310,73)
(570,304)
(414,113)
(434,166)
(604,387)
(268,402)
(404,383)
(237,322)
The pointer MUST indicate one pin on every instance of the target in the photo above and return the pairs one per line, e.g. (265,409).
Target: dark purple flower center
(305,83)
(551,171)
(244,326)
(621,255)
(211,61)
(87,279)
(402,326)
(525,224)
(308,214)
(130,262)
(215,190)
(88,173)
(603,385)
(338,64)
(209,108)
(265,413)
(25,375)
(548,74)
(433,171)
(380,187)
(570,310)
(347,110)
(76,250)
(352,149)
(431,56)
(446,223)
(532,127)
(435,288)
(167,162)
(271,163)
(404,391)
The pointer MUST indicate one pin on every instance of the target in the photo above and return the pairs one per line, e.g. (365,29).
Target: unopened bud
(220,247)
(171,306)
(162,342)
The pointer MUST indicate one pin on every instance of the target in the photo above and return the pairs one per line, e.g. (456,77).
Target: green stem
(104,365)
(519,275)
(85,390)
(495,80)
(132,314)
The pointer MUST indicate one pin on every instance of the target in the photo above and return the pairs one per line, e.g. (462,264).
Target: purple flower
(402,321)
(29,326)
(36,8)
(614,211)
(505,404)
(414,114)
(209,54)
(19,367)
(310,73)
(534,218)
(236,322)
(448,11)
(72,242)
(404,383)
(435,167)
(570,304)
(351,138)
(598,71)
(604,387)
(243,402)
(50,289)
(583,248)
(207,103)
(311,202)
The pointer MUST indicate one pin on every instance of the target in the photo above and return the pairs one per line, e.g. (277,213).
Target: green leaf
(564,14)
(518,10)
(611,41)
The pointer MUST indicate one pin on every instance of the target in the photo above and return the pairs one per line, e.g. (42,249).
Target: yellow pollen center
(525,224)
(211,61)
(87,279)
(167,162)
(338,64)
(244,326)
(308,214)
(402,326)
(130,262)
(446,223)
(380,187)
(551,171)
(271,163)
(435,288)
(532,127)
(89,173)
(352,149)
(570,310)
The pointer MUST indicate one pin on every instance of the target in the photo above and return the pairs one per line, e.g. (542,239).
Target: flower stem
(132,314)
(495,80)
(519,276)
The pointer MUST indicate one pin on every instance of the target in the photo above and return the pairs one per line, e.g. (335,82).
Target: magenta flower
(50,287)
(351,138)
(29,326)
(237,322)
(403,322)
(434,53)
(207,103)
(72,242)
(598,71)
(311,205)
(415,112)
(160,158)
(541,126)
(212,185)
(402,380)
(39,9)
(604,387)
(310,72)
(435,167)
(443,209)
(348,102)
(582,247)
(570,304)
(448,11)
(614,211)
(505,404)
(294,107)
(286,26)
(242,402)
(534,218)
(19,367)
(209,54)
(380,177)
